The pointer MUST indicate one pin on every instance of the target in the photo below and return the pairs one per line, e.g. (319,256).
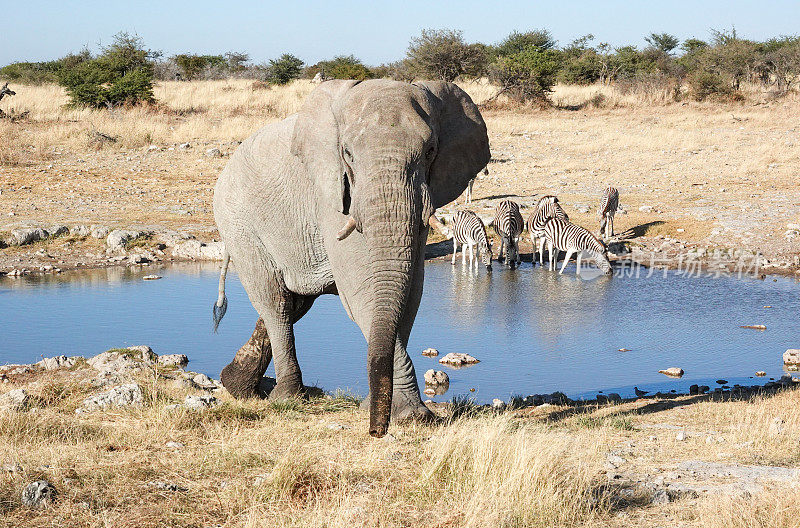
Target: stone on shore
(99,231)
(430,352)
(436,377)
(118,238)
(457,359)
(27,235)
(196,250)
(57,362)
(195,402)
(791,356)
(173,360)
(39,495)
(15,400)
(673,372)
(119,396)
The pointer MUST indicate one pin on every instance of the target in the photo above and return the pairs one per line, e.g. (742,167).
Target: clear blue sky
(376,32)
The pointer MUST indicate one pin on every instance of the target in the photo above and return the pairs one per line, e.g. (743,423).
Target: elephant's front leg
(242,375)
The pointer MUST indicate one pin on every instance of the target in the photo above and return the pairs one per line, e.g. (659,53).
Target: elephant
(338,199)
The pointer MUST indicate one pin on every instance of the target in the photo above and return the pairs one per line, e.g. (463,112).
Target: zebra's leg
(500,253)
(541,251)
(578,269)
(602,226)
(533,251)
(566,261)
(551,256)
(611,223)
(463,255)
(455,249)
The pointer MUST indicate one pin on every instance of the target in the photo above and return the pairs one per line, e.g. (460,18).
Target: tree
(442,54)
(692,45)
(518,42)
(663,42)
(236,60)
(527,75)
(285,69)
(122,74)
(345,67)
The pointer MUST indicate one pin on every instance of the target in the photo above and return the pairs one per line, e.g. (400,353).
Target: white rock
(791,357)
(457,359)
(646,209)
(39,495)
(174,445)
(430,352)
(79,231)
(99,231)
(498,404)
(436,377)
(151,277)
(15,400)
(200,402)
(194,249)
(681,436)
(213,153)
(58,362)
(24,236)
(176,360)
(119,237)
(776,427)
(57,230)
(143,352)
(204,381)
(119,396)
(673,372)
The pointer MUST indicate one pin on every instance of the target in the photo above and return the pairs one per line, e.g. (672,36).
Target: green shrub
(122,74)
(527,75)
(442,54)
(707,83)
(285,69)
(345,67)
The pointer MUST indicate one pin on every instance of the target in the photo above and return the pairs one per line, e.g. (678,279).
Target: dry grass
(257,463)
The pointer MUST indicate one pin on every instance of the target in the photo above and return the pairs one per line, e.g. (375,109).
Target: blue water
(534,331)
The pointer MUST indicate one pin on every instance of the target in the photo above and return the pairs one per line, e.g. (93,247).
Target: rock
(174,445)
(457,359)
(761,373)
(646,209)
(205,382)
(791,357)
(119,396)
(25,236)
(143,352)
(79,231)
(58,362)
(39,495)
(166,486)
(200,402)
(58,230)
(99,231)
(151,277)
(673,372)
(119,237)
(336,427)
(15,400)
(583,209)
(615,461)
(213,153)
(436,377)
(194,249)
(185,146)
(613,397)
(776,426)
(681,436)
(694,389)
(430,352)
(173,360)
(754,327)
(498,405)
(660,496)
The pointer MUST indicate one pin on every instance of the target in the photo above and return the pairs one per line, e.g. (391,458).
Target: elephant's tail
(221,305)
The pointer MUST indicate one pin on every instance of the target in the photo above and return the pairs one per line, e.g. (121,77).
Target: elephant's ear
(463,143)
(316,141)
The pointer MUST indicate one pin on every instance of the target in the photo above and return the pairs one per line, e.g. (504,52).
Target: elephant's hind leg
(242,376)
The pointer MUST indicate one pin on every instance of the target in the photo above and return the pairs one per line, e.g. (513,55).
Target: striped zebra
(607,210)
(468,230)
(563,235)
(508,224)
(546,208)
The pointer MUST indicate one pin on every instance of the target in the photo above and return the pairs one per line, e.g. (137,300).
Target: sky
(374,31)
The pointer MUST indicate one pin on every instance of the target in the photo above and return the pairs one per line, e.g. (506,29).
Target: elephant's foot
(243,375)
(287,391)
(406,406)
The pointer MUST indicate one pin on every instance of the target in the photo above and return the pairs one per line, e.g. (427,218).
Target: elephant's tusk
(347,229)
(436,224)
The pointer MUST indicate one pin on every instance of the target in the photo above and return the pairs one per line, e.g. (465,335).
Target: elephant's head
(385,155)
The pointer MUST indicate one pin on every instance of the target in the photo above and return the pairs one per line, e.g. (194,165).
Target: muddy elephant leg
(242,375)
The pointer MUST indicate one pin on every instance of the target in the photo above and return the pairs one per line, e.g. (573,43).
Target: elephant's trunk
(390,222)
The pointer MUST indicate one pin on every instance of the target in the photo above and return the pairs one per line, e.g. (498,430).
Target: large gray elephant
(337,199)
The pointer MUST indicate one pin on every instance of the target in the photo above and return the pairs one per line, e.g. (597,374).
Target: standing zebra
(508,224)
(607,210)
(546,208)
(468,230)
(572,238)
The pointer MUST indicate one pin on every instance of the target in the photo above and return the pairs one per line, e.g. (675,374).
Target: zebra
(572,238)
(607,210)
(468,192)
(508,224)
(547,207)
(468,230)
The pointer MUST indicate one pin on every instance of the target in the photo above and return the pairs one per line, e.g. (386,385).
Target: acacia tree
(285,69)
(443,54)
(663,42)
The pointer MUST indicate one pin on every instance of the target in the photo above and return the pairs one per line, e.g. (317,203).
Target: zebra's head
(485,249)
(601,259)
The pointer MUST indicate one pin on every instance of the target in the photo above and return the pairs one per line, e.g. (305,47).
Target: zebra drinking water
(468,230)
(563,235)
(508,224)
(546,208)
(607,210)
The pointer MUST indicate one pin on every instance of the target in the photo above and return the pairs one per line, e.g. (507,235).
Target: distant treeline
(525,65)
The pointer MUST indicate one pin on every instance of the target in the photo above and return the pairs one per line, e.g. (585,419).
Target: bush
(344,67)
(443,55)
(122,74)
(285,69)
(518,42)
(707,83)
(527,75)
(193,66)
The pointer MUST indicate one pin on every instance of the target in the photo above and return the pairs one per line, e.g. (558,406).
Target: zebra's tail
(221,306)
